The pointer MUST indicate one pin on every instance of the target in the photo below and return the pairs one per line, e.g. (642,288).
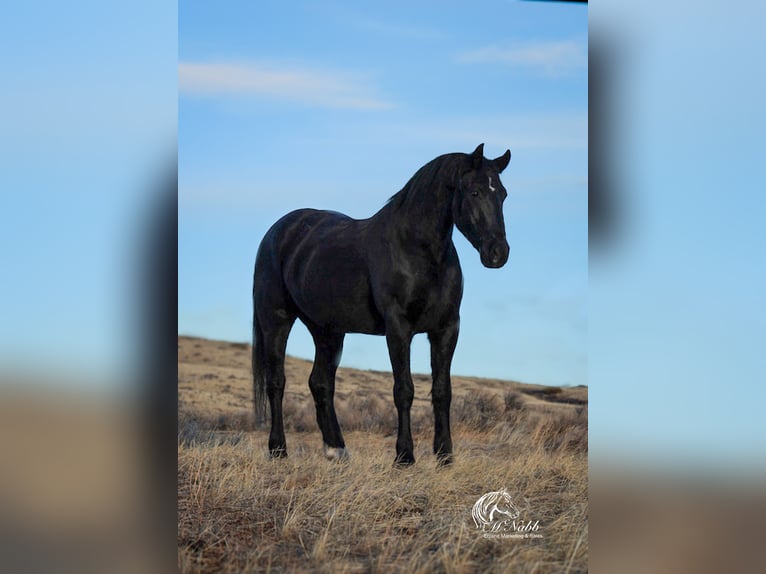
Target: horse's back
(304,229)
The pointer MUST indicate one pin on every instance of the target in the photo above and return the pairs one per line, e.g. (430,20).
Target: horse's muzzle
(494,253)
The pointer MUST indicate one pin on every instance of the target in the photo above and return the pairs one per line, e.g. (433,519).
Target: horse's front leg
(398,339)
(442,349)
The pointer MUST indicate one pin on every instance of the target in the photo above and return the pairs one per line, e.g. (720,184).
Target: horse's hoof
(404,460)
(336,453)
(443,460)
(276,453)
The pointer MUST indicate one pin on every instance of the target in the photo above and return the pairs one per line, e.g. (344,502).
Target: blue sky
(87,128)
(678,304)
(335,106)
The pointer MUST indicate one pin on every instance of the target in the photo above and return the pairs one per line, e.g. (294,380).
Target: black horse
(394,274)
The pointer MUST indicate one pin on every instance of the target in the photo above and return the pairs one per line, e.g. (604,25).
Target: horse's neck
(424,223)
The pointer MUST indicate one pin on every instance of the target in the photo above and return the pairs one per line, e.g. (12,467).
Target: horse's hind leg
(329,348)
(275,343)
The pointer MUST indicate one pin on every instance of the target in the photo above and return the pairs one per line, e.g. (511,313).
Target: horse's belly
(339,310)
(331,289)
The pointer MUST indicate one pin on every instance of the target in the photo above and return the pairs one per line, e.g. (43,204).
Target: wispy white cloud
(301,85)
(551,58)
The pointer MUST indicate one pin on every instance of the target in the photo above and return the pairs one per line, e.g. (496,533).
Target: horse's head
(477,207)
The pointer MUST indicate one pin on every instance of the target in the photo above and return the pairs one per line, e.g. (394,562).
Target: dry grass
(239,511)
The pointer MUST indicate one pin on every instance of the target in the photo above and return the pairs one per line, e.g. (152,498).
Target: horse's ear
(477,156)
(502,162)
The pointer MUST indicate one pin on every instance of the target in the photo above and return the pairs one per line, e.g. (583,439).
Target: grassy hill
(238,510)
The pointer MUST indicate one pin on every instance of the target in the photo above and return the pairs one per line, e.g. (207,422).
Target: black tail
(259,376)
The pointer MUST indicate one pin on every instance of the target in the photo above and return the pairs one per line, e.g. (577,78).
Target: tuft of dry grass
(239,511)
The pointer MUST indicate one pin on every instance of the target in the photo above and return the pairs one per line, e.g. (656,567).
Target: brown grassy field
(239,511)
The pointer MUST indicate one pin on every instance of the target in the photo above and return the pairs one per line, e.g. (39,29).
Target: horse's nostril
(497,254)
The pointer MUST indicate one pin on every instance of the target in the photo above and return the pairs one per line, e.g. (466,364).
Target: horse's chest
(431,301)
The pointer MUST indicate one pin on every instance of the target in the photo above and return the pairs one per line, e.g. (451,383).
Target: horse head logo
(494,511)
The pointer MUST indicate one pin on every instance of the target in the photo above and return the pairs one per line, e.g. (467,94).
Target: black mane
(440,169)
